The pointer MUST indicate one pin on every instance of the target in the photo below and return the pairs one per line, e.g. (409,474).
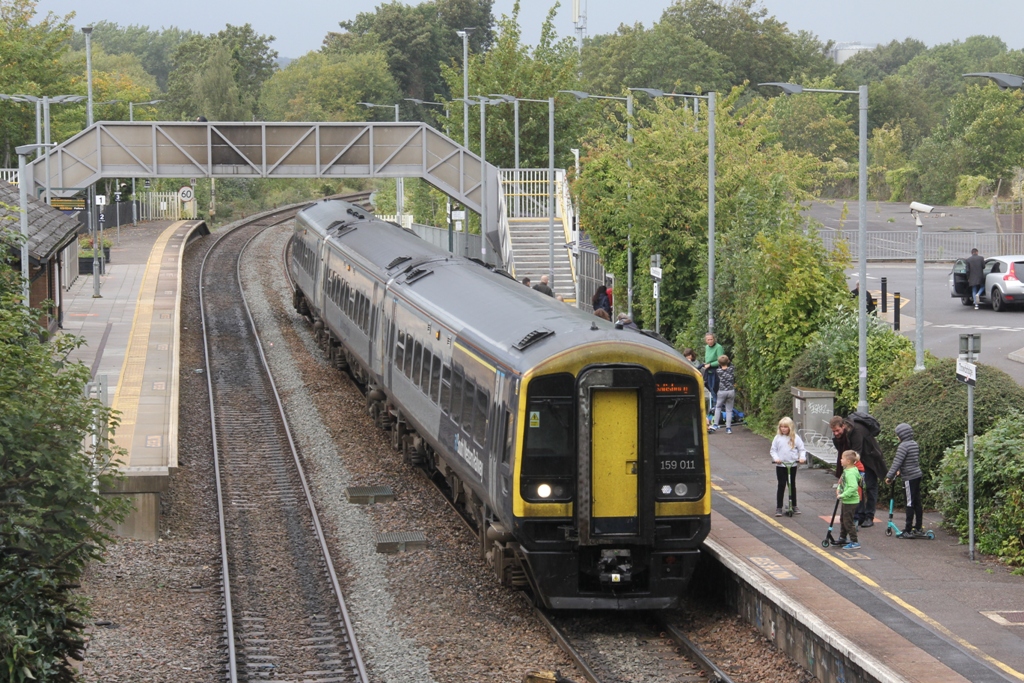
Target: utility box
(812,410)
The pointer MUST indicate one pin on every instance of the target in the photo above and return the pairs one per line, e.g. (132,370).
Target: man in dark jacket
(543,287)
(976,275)
(849,436)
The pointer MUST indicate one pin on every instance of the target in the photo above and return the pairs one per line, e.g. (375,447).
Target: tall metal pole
(515,127)
(862,247)
(90,201)
(23,196)
(399,188)
(465,87)
(135,210)
(970,465)
(87,30)
(46,141)
(483,179)
(919,300)
(629,200)
(711,211)
(551,187)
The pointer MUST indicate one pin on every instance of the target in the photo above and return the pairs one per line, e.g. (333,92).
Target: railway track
(285,616)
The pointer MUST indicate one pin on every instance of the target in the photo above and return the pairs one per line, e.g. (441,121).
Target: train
(576,448)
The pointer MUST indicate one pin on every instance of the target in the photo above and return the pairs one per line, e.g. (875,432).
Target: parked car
(1003,284)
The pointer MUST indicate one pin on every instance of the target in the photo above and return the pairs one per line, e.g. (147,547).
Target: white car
(1004,286)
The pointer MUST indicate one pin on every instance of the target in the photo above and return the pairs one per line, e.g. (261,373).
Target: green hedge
(935,405)
(998,484)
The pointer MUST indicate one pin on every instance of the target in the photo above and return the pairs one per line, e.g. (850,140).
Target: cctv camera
(921,208)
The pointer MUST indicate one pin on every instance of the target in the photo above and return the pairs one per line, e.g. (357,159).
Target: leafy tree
(53,520)
(251,58)
(418,38)
(32,64)
(326,86)
(821,126)
(758,47)
(217,93)
(154,49)
(874,65)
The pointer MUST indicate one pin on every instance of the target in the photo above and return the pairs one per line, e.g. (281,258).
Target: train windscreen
(549,440)
(679,466)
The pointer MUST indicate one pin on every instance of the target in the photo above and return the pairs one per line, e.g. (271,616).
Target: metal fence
(9,175)
(589,274)
(157,206)
(938,246)
(466,244)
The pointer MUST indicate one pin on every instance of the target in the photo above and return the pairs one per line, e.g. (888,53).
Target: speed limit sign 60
(186,194)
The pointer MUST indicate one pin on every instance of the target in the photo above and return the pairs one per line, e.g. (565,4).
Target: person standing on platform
(599,302)
(542,287)
(848,493)
(726,396)
(848,435)
(787,452)
(907,464)
(976,275)
(712,351)
(526,281)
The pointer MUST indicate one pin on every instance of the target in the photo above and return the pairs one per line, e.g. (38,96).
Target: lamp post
(711,99)
(483,102)
(399,182)
(862,230)
(87,30)
(464,34)
(579,95)
(23,151)
(39,113)
(131,117)
(551,170)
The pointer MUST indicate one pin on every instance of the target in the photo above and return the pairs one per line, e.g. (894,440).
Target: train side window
(435,379)
(425,377)
(456,411)
(506,453)
(417,356)
(400,351)
(446,389)
(408,355)
(483,400)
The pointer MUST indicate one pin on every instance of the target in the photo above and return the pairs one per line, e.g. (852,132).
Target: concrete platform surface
(965,618)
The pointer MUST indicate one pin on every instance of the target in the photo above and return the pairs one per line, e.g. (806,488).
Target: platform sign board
(101,200)
(966,372)
(656,272)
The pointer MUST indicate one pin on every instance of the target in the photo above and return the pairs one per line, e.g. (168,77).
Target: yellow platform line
(129,384)
(870,582)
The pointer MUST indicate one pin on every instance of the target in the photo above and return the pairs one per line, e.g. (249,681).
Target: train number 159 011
(676,465)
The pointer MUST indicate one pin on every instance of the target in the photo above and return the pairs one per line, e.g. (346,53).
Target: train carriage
(577,448)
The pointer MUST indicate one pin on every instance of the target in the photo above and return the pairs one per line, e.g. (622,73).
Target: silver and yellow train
(578,449)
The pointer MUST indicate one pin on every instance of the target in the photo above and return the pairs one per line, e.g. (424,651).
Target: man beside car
(976,275)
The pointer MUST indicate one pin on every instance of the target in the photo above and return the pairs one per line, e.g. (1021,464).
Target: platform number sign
(186,194)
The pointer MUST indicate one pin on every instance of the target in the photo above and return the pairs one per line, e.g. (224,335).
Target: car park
(1003,284)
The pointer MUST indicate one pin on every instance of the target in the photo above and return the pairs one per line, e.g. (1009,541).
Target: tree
(874,65)
(32,64)
(322,86)
(154,49)
(217,93)
(53,520)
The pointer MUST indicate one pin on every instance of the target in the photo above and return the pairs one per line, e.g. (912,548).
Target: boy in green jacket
(711,353)
(848,492)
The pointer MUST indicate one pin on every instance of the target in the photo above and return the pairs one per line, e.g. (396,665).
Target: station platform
(898,609)
(132,334)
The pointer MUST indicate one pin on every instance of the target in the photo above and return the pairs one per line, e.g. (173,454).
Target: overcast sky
(300,25)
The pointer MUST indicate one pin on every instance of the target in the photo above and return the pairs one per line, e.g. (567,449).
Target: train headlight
(544,491)
(666,490)
(680,489)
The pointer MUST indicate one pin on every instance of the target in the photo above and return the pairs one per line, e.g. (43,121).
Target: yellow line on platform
(870,582)
(129,384)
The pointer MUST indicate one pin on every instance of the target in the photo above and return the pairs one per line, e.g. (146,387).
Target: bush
(935,405)
(998,482)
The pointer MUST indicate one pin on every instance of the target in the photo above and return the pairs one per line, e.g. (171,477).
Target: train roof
(501,317)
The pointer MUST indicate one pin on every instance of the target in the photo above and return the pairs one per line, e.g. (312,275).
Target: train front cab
(613,495)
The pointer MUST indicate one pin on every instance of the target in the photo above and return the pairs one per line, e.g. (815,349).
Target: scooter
(891,528)
(829,539)
(790,508)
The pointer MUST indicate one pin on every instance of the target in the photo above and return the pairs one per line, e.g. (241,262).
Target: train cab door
(615,502)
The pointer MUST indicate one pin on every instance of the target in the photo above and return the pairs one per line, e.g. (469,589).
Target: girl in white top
(787,451)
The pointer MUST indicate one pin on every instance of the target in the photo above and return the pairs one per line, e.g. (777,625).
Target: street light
(464,34)
(483,102)
(399,182)
(23,151)
(551,170)
(39,113)
(580,95)
(131,117)
(711,98)
(1004,81)
(87,30)
(862,230)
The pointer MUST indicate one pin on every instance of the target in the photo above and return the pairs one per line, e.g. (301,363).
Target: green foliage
(875,65)
(53,520)
(152,49)
(821,126)
(830,361)
(972,188)
(998,489)
(328,87)
(935,405)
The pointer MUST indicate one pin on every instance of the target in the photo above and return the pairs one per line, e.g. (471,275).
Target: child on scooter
(907,464)
(848,492)
(787,451)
